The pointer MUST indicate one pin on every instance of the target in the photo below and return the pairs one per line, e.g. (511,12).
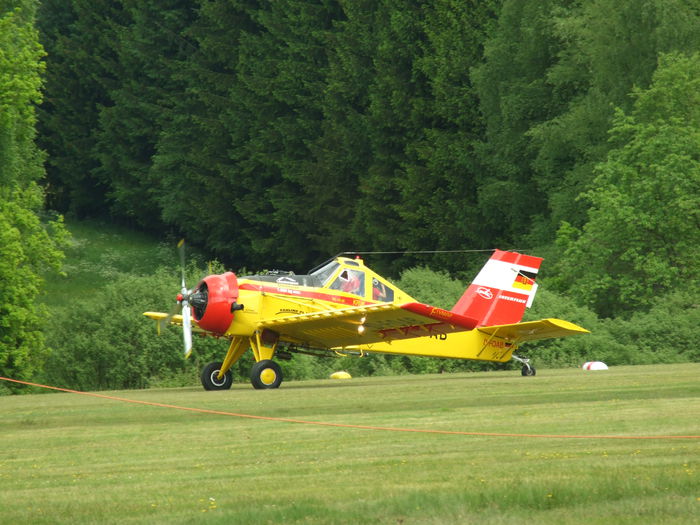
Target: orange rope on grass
(341,425)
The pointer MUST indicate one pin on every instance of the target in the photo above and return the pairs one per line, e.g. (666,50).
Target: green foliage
(276,133)
(197,178)
(606,49)
(103,341)
(553,73)
(514,95)
(275,118)
(441,168)
(437,288)
(642,237)
(664,334)
(28,245)
(145,42)
(20,82)
(258,127)
(76,36)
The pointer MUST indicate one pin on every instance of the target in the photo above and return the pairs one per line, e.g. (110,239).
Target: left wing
(368,324)
(162,318)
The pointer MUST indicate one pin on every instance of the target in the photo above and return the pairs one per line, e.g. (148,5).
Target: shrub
(104,341)
(667,333)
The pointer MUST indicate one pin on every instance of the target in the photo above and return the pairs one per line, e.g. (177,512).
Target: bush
(431,287)
(667,333)
(104,341)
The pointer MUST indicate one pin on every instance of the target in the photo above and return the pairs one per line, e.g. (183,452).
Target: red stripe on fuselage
(439,314)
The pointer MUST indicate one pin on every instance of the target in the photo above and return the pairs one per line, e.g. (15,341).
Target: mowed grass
(67,458)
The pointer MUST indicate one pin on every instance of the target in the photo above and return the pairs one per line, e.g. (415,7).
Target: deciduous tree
(27,247)
(642,236)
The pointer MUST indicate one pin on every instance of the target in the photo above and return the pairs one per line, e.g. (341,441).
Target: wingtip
(568,325)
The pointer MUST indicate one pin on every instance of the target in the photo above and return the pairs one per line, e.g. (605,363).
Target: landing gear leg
(527,369)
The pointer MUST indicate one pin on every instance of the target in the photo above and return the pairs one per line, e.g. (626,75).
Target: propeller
(184,300)
(211,303)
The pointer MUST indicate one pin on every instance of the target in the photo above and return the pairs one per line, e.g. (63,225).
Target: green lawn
(66,458)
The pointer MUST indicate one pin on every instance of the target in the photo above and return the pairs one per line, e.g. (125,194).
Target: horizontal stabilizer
(534,330)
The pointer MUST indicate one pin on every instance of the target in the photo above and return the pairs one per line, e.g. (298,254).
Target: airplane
(343,306)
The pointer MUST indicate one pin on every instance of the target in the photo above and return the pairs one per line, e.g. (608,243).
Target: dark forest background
(278,133)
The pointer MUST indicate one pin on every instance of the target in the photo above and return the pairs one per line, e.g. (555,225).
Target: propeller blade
(181,249)
(186,328)
(173,312)
(184,300)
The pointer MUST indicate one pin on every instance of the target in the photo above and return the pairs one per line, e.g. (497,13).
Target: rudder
(502,290)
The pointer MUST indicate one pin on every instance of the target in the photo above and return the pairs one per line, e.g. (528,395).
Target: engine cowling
(212,302)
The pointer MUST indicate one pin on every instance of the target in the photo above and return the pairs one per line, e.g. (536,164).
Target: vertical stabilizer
(502,290)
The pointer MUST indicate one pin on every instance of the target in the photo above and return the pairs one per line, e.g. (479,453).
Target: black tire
(210,381)
(529,371)
(266,374)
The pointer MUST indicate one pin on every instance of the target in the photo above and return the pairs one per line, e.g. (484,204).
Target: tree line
(282,132)
(277,133)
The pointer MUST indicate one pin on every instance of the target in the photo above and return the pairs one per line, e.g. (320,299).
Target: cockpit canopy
(342,274)
(352,276)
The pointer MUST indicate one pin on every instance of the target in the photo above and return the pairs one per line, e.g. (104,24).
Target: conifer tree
(81,69)
(148,45)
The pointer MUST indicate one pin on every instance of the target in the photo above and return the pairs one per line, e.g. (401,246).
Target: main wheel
(529,370)
(210,378)
(266,374)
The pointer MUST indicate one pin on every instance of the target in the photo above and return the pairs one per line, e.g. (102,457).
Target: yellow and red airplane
(343,306)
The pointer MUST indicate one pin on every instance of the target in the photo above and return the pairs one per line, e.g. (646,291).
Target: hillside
(99,252)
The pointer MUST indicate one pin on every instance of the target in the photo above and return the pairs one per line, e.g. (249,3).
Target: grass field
(67,458)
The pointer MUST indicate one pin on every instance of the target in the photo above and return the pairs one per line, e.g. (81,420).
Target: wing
(368,324)
(533,330)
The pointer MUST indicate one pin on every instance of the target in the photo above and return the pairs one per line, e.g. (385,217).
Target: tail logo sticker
(486,293)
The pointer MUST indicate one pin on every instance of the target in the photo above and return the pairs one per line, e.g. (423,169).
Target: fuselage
(344,283)
(340,283)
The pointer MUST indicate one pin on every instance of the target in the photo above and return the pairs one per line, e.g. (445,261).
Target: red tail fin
(502,290)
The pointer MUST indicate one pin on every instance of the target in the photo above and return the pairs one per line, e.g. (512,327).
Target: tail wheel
(266,374)
(210,378)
